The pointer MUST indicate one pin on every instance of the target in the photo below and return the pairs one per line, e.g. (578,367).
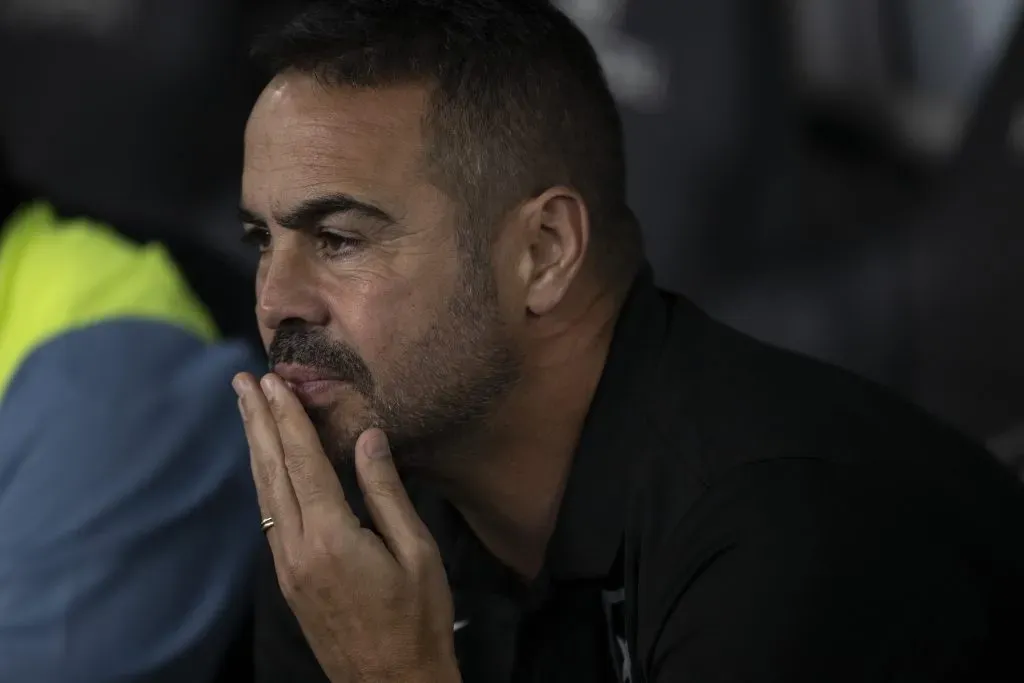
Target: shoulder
(725,400)
(59,275)
(803,564)
(806,508)
(106,350)
(125,396)
(747,427)
(769,481)
(728,407)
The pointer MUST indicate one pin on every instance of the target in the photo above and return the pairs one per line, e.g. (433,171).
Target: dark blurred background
(841,177)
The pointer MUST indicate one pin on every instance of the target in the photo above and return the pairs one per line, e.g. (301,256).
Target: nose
(287,289)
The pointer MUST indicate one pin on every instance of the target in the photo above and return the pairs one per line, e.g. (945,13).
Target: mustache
(313,349)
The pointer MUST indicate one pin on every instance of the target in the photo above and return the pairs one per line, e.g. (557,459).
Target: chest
(504,632)
(580,631)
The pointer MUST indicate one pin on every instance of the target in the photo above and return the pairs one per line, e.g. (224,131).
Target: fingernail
(378,447)
(268,384)
(236,384)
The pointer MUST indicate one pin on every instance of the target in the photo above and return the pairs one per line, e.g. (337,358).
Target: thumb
(386,499)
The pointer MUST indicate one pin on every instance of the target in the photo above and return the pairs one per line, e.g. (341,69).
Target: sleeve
(128,519)
(804,571)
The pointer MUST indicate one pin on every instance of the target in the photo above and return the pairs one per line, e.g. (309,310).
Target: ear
(558,231)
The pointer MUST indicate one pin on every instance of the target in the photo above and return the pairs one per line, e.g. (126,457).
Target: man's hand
(371,609)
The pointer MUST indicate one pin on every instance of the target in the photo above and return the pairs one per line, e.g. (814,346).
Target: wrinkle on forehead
(304,137)
(382,125)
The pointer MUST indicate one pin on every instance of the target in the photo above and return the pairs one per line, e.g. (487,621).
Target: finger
(393,513)
(273,487)
(313,478)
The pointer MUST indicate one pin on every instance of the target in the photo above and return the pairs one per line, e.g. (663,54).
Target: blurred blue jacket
(127,513)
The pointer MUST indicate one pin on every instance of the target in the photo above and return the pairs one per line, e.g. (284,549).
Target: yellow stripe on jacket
(58,275)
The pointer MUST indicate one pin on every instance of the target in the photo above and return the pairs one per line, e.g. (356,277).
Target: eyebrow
(311,212)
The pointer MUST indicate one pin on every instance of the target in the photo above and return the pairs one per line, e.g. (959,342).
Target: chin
(337,436)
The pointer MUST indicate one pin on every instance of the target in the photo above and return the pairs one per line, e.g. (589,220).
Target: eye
(334,244)
(257,237)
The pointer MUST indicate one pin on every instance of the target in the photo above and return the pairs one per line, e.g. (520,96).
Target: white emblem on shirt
(459,625)
(627,665)
(614,602)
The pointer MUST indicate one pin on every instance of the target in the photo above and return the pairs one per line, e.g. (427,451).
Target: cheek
(379,316)
(512,281)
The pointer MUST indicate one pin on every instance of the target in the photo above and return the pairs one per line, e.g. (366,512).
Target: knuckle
(321,545)
(318,499)
(293,577)
(423,554)
(383,488)
(294,460)
(267,478)
(294,463)
(298,572)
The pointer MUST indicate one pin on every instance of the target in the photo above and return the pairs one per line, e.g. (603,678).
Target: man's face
(365,302)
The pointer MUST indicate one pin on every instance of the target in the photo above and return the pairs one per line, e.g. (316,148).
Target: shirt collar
(591,519)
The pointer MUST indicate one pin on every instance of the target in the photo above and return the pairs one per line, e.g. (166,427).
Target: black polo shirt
(737,513)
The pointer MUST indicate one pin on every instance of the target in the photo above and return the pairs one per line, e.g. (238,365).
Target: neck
(511,498)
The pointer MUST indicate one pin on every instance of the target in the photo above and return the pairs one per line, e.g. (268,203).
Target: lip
(310,386)
(301,374)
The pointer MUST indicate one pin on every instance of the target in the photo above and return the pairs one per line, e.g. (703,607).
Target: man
(124,486)
(604,484)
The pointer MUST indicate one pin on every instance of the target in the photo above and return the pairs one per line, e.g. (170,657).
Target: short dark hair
(519,103)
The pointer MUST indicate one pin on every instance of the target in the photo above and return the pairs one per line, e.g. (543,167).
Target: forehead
(304,138)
